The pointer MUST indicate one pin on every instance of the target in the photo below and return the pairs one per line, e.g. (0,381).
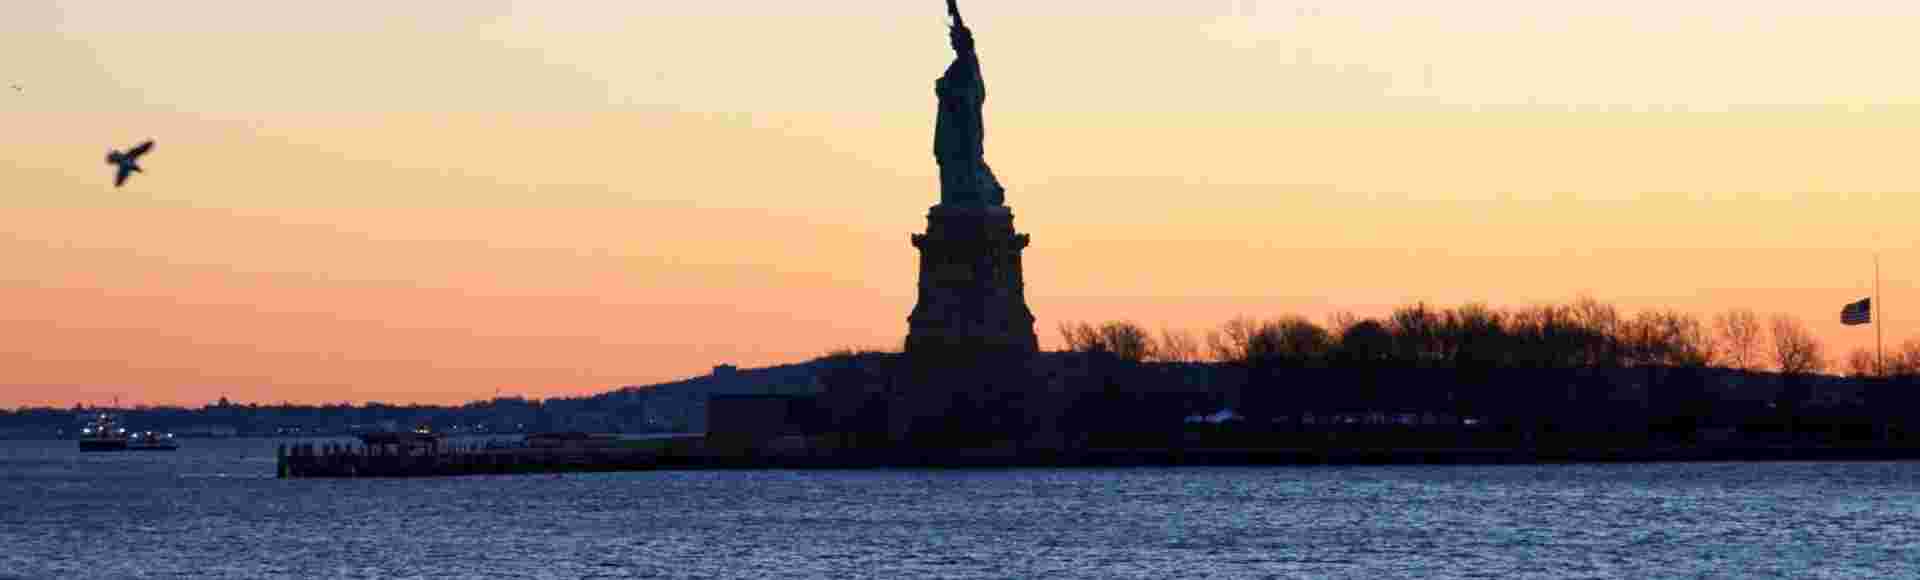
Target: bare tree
(1641,341)
(1795,350)
(1474,332)
(1416,332)
(1229,342)
(1904,361)
(1594,315)
(1739,333)
(1079,336)
(1127,340)
(1176,346)
(1600,322)
(1668,338)
(1693,343)
(1861,363)
(1546,336)
(1289,339)
(1339,322)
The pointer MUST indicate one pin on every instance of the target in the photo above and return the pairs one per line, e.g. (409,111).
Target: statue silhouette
(959,136)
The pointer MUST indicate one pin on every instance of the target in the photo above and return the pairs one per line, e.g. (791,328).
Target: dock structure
(410,454)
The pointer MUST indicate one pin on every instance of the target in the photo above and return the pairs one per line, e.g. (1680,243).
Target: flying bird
(127,162)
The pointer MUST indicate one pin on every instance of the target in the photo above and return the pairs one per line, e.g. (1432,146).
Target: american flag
(1857,313)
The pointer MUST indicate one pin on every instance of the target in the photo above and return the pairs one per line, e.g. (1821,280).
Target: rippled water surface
(213,510)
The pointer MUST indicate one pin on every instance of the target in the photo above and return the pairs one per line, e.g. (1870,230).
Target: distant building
(725,371)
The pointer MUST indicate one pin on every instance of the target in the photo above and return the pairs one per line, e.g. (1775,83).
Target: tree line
(1584,333)
(1577,374)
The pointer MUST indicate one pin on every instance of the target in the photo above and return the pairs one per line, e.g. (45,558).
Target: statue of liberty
(959,135)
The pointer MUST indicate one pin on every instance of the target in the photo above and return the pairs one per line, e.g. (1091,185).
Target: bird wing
(120,176)
(136,152)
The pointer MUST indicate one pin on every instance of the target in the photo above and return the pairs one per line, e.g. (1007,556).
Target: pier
(413,454)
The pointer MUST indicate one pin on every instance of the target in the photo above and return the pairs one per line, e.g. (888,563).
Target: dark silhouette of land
(1472,384)
(1552,377)
(126,164)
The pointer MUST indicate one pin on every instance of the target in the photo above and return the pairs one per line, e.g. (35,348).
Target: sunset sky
(441,200)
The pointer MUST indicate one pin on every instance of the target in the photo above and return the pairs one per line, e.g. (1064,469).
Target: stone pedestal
(973,297)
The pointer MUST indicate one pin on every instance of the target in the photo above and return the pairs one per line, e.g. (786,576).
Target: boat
(151,441)
(103,434)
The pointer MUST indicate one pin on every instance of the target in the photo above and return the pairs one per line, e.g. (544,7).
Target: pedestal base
(972,290)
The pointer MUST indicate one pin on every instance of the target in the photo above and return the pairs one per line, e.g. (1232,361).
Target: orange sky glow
(438,201)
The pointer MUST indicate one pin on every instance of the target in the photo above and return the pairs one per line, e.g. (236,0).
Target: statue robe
(959,135)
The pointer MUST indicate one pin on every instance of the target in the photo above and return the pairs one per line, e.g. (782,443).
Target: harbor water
(213,509)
